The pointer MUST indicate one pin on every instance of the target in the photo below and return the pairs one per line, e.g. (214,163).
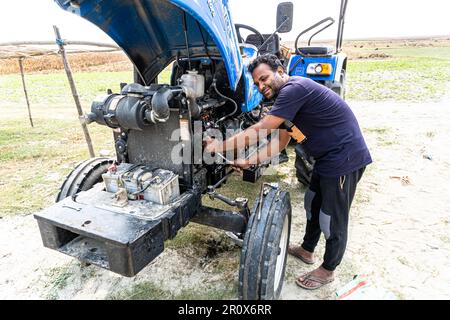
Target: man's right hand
(213,145)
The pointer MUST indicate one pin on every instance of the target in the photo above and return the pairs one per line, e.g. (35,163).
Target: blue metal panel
(151,31)
(252,95)
(300,68)
(214,16)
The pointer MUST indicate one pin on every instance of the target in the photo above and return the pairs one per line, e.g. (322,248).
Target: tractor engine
(161,127)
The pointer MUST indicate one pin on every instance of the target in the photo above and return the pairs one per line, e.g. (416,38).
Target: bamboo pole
(25,91)
(60,43)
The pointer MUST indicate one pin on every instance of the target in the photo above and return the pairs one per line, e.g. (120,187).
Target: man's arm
(247,137)
(269,151)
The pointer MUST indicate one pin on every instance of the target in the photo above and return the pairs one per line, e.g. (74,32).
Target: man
(333,138)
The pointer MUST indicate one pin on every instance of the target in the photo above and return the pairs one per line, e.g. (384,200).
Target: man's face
(268,81)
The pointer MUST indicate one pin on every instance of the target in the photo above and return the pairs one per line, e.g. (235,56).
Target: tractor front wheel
(264,250)
(340,90)
(84,176)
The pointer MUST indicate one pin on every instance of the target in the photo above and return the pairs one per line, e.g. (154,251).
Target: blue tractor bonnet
(152,33)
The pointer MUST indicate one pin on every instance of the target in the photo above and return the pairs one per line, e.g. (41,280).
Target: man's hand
(213,145)
(240,164)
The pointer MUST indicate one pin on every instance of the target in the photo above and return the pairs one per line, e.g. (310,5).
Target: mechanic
(330,133)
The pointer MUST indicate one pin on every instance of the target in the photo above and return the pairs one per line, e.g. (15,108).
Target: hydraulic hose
(226,98)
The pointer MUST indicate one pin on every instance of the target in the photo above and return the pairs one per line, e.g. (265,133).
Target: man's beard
(275,89)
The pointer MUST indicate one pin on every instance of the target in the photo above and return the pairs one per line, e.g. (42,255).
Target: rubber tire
(303,166)
(261,248)
(85,175)
(341,90)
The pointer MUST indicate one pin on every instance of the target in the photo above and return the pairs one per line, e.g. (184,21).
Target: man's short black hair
(270,59)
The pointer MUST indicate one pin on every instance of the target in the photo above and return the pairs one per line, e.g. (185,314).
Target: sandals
(294,250)
(319,282)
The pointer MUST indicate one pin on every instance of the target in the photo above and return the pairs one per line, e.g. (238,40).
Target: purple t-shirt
(333,136)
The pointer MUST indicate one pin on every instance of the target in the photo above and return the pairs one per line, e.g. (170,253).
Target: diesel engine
(162,126)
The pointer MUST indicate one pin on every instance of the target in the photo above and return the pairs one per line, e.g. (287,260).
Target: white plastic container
(194,84)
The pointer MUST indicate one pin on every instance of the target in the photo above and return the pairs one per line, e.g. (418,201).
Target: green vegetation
(384,135)
(59,277)
(439,53)
(35,161)
(381,131)
(416,78)
(192,236)
(53,89)
(152,291)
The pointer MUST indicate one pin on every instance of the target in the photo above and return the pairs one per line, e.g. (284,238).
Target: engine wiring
(226,98)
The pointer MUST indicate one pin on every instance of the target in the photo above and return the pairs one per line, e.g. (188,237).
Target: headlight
(321,69)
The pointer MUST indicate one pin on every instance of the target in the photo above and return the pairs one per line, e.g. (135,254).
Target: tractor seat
(273,46)
(316,51)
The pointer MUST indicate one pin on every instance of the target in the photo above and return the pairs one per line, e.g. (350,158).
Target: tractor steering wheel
(243,26)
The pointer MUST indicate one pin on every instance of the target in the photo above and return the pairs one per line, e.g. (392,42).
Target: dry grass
(78,62)
(373,49)
(104,62)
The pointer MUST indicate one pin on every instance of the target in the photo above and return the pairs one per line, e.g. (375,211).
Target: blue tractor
(323,64)
(117,213)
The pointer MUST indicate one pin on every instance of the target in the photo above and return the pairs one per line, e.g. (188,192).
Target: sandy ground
(399,234)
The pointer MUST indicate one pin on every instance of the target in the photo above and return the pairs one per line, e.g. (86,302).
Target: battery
(156,185)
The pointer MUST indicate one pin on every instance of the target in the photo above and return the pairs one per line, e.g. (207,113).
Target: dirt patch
(380,55)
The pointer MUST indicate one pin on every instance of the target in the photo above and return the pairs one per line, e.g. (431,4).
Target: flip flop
(291,250)
(308,276)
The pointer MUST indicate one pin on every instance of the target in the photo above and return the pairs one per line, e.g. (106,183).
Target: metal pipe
(186,39)
(341,25)
(310,28)
(221,219)
(223,179)
(331,22)
(273,34)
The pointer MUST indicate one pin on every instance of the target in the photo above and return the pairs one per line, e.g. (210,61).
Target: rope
(60,42)
(342,181)
(25,49)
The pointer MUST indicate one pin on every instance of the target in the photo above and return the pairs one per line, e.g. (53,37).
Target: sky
(32,20)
